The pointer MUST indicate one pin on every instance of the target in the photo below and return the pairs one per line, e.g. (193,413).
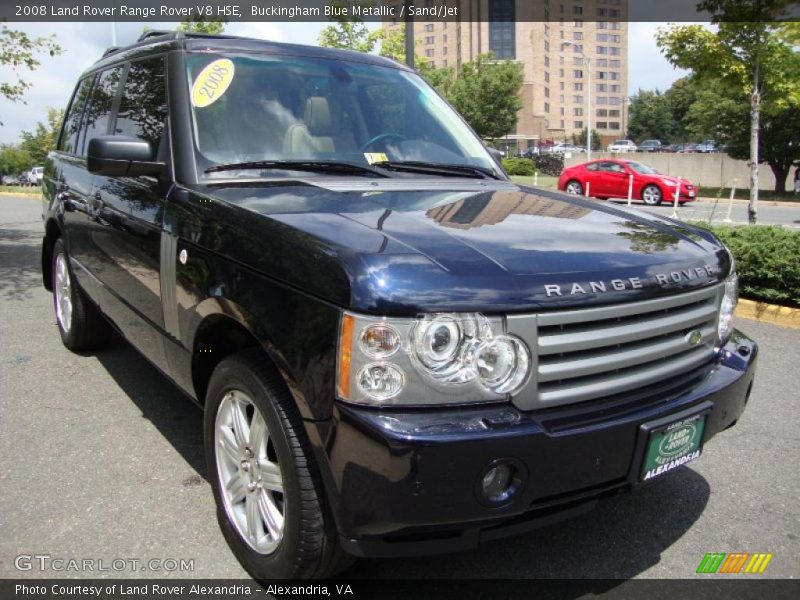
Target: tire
(651,195)
(297,538)
(80,323)
(574,188)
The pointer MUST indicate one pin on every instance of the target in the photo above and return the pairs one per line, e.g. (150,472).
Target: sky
(84,43)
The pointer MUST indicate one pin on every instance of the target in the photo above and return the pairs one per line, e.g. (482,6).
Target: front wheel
(574,188)
(270,501)
(80,323)
(651,195)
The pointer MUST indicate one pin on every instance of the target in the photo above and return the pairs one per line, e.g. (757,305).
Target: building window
(613,125)
(562,123)
(577,73)
(547,92)
(577,112)
(602,112)
(577,35)
(547,76)
(429,39)
(444,38)
(602,99)
(602,87)
(578,124)
(561,111)
(429,27)
(444,63)
(429,53)
(502,29)
(561,72)
(614,51)
(577,48)
(577,87)
(547,107)
(602,24)
(602,125)
(577,99)
(602,50)
(577,10)
(602,75)
(577,23)
(602,62)
(546,46)
(546,61)
(613,76)
(444,50)
(614,88)
(561,86)
(615,101)
(578,61)
(613,113)
(615,63)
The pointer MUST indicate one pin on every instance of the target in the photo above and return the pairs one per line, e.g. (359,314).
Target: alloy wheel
(63,293)
(249,475)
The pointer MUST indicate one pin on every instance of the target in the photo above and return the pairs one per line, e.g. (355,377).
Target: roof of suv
(193,42)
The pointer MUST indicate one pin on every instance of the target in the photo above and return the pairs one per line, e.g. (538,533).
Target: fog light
(500,482)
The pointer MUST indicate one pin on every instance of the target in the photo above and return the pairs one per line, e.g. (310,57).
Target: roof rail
(146,35)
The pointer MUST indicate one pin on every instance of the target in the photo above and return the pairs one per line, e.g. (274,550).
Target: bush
(518,166)
(549,164)
(767,261)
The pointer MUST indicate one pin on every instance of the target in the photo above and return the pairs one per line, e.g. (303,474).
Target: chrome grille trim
(587,354)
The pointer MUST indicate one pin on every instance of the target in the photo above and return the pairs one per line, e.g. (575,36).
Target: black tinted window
(143,106)
(98,111)
(72,122)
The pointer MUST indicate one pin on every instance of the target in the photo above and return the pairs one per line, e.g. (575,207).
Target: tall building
(557,42)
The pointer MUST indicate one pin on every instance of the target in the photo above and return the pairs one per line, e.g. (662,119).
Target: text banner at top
(391,10)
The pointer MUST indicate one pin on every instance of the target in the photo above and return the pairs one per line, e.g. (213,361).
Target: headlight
(727,306)
(444,358)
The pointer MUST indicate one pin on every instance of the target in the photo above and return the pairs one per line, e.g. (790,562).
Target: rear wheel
(651,195)
(270,501)
(574,187)
(80,323)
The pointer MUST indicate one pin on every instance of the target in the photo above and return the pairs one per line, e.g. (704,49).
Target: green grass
(32,190)
(744,194)
(545,181)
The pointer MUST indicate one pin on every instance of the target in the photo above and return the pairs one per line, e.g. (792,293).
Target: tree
(720,114)
(14,160)
(42,140)
(201,24)
(19,52)
(680,97)
(749,53)
(486,93)
(650,116)
(579,139)
(349,32)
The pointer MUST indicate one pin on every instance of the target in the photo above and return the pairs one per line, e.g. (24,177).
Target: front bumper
(406,483)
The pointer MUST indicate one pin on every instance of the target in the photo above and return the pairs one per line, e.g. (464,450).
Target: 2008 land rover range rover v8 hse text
(397,349)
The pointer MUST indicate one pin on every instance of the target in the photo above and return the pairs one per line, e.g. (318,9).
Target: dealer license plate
(673,445)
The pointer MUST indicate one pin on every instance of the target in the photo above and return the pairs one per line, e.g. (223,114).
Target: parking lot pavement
(769,213)
(101,458)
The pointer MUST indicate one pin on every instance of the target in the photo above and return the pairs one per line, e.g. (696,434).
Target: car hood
(407,245)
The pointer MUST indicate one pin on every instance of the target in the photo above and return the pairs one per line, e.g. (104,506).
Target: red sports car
(608,178)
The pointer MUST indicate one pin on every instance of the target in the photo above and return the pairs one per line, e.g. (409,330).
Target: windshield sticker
(212,82)
(375,157)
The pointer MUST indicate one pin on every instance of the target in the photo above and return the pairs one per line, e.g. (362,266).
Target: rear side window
(143,106)
(98,112)
(72,122)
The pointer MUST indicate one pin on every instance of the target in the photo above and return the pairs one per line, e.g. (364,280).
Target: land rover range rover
(397,349)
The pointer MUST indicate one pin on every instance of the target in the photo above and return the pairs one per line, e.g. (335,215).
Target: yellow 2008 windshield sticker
(212,82)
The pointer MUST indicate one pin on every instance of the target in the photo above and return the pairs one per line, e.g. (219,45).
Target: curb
(23,195)
(769,313)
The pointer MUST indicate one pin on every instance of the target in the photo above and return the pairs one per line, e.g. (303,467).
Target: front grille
(598,352)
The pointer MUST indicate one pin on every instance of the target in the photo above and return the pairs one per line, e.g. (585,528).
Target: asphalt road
(101,459)
(769,213)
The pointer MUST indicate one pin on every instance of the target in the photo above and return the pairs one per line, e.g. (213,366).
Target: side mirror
(498,156)
(121,156)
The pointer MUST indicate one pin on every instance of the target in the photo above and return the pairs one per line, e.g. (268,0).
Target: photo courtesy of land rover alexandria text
(398,350)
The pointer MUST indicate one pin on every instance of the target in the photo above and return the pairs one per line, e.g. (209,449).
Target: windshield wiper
(319,166)
(438,169)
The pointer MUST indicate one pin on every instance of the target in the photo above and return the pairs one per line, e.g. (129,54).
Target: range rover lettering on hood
(631,283)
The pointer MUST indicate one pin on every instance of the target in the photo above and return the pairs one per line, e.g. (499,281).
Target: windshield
(257,108)
(643,169)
